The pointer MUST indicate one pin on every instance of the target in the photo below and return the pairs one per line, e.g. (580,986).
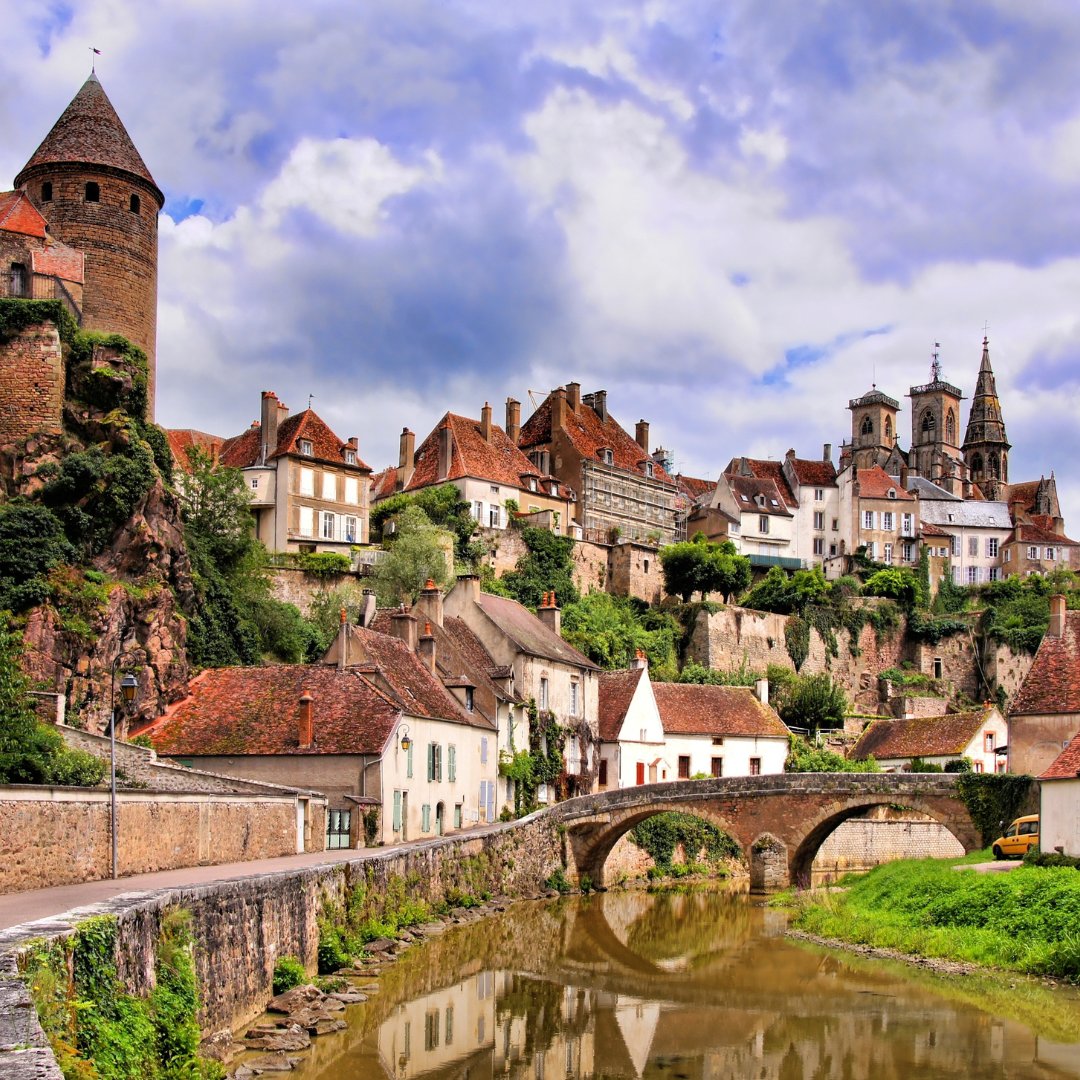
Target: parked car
(1022,834)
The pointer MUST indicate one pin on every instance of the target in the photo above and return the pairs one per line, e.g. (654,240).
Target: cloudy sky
(733,216)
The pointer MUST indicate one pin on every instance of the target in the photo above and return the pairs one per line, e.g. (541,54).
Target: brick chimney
(826,452)
(640,661)
(513,419)
(558,410)
(904,476)
(485,423)
(429,605)
(641,435)
(271,416)
(549,613)
(1057,617)
(599,404)
(343,640)
(367,608)
(446,450)
(573,395)
(306,731)
(403,627)
(761,690)
(425,647)
(406,456)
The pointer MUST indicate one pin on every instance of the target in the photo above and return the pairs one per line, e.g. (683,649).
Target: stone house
(1045,712)
(372,727)
(975,532)
(876,512)
(980,735)
(621,490)
(651,732)
(1059,807)
(483,462)
(543,669)
(309,490)
(34,265)
(761,519)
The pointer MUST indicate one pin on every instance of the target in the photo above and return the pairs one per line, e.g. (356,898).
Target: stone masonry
(31,384)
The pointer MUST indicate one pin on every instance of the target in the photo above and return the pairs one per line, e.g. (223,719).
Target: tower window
(977,466)
(888,427)
(928,422)
(46,191)
(93,191)
(134,204)
(950,427)
(867,426)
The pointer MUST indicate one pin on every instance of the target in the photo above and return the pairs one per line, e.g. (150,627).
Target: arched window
(93,192)
(19,281)
(950,427)
(867,426)
(976,466)
(995,466)
(888,427)
(134,204)
(928,422)
(1005,468)
(46,191)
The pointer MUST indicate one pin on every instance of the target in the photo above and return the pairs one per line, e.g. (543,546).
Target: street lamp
(128,685)
(405,742)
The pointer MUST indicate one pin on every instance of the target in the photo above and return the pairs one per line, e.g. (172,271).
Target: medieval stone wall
(292,585)
(31,384)
(635,570)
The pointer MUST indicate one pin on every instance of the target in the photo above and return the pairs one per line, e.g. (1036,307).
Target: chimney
(485,423)
(429,605)
(641,435)
(600,405)
(367,608)
(513,419)
(826,452)
(549,613)
(790,455)
(403,626)
(425,648)
(903,476)
(269,425)
(406,456)
(761,690)
(573,395)
(306,731)
(446,450)
(640,661)
(558,410)
(343,640)
(1056,628)
(470,586)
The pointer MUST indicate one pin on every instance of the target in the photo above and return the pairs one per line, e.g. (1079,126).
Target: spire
(89,132)
(986,445)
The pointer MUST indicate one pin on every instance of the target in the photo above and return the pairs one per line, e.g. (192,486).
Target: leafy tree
(32,542)
(217,508)
(777,592)
(609,630)
(544,567)
(896,583)
(416,553)
(445,508)
(814,702)
(802,757)
(701,566)
(694,672)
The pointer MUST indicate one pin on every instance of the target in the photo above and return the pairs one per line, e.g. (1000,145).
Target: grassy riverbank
(1027,920)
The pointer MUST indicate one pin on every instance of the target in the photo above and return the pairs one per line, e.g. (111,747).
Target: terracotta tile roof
(615,692)
(693,488)
(774,471)
(183,440)
(876,483)
(928,528)
(1039,529)
(256,710)
(90,132)
(1066,766)
(384,484)
(19,215)
(926,736)
(530,634)
(746,490)
(692,709)
(1024,493)
(1052,684)
(478,660)
(811,473)
(588,434)
(242,451)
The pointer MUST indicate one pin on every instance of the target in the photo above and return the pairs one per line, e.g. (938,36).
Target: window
(909,551)
(938,667)
(254,483)
(972,575)
(887,558)
(305,447)
(329,521)
(1050,554)
(450,1008)
(891,493)
(46,191)
(470,698)
(868,519)
(352,530)
(431,1029)
(928,421)
(992,547)
(835,524)
(908,524)
(954,543)
(575,707)
(887,521)
(648,470)
(717,766)
(1033,552)
(92,192)
(993,574)
(973,546)
(478,511)
(133,204)
(755,766)
(425,818)
(832,549)
(543,693)
(434,763)
(684,766)
(871,550)
(20,281)
(957,575)
(819,545)
(350,457)
(976,766)
(763,523)
(819,519)
(483,750)
(307,521)
(601,778)
(819,494)
(307,482)
(451,762)
(988,742)
(329,487)
(494,516)
(867,426)
(607,456)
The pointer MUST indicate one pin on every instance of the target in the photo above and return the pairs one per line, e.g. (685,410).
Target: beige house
(878,514)
(1045,712)
(976,533)
(1059,810)
(762,517)
(979,735)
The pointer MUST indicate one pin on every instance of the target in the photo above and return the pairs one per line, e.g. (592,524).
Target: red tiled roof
(1052,684)
(183,440)
(256,710)
(19,215)
(616,692)
(811,473)
(384,484)
(693,488)
(479,661)
(764,469)
(928,528)
(529,633)
(1066,766)
(242,451)
(1039,529)
(588,434)
(746,489)
(1024,493)
(925,736)
(876,483)
(90,132)
(692,709)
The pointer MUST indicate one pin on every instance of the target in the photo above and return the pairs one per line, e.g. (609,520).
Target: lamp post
(128,685)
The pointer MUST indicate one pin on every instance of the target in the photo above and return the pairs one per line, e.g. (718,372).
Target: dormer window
(350,457)
(532,484)
(469,700)
(92,192)
(607,455)
(649,467)
(305,447)
(892,493)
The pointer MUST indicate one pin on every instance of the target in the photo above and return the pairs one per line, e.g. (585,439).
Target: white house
(1059,811)
(631,734)
(979,735)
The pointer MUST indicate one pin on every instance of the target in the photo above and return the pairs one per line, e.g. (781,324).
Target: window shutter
(425,823)
(408,760)
(438,762)
(483,750)
(452,762)
(397,811)
(430,762)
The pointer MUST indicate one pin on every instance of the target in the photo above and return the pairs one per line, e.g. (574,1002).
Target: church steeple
(986,446)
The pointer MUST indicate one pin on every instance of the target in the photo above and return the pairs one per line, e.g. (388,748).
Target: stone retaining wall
(863,844)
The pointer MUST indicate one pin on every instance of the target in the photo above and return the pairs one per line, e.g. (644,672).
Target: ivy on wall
(993,799)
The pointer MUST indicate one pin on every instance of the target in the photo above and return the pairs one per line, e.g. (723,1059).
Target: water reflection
(671,986)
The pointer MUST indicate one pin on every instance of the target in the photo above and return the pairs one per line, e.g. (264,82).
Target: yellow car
(1022,834)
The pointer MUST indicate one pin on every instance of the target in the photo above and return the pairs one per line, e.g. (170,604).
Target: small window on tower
(93,192)
(46,191)
(134,204)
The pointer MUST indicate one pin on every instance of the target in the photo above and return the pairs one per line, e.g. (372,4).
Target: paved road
(26,907)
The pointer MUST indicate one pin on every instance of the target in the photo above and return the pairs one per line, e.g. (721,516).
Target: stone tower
(935,430)
(98,196)
(986,447)
(873,428)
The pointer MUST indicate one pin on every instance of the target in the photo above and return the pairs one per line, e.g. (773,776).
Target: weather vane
(94,52)
(935,366)
(309,400)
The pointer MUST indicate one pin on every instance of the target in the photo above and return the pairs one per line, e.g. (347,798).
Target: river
(683,986)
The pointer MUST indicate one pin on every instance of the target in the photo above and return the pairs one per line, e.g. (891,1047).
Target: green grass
(1027,920)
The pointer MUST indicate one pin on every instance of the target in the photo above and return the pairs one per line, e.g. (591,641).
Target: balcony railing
(39,287)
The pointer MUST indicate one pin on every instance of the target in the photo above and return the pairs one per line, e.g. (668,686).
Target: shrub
(288,972)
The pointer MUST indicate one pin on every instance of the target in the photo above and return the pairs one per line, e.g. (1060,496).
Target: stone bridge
(778,821)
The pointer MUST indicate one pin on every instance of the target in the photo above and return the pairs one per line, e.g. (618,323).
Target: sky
(732,216)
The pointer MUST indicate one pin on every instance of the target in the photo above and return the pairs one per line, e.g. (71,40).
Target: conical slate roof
(90,132)
(985,425)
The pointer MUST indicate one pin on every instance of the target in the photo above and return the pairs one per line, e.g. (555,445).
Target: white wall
(1059,816)
(736,752)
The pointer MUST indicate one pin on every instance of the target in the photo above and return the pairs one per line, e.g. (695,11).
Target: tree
(216,507)
(802,757)
(814,702)
(32,542)
(544,567)
(700,566)
(609,630)
(896,583)
(416,553)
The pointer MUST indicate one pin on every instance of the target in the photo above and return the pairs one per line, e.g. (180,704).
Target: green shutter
(457,815)
(430,761)
(408,760)
(425,816)
(451,763)
(397,811)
